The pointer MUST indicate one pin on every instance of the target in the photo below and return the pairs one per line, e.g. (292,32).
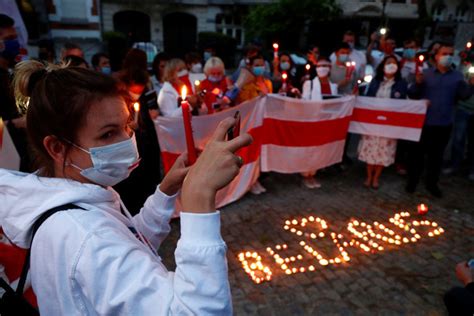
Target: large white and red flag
(301,136)
(172,141)
(392,118)
(289,136)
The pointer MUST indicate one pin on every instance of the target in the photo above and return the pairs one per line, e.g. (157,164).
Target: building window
(73,9)
(230,25)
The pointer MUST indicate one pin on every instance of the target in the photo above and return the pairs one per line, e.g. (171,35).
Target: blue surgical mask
(446,61)
(215,78)
(207,55)
(11,48)
(343,58)
(258,70)
(106,70)
(285,65)
(409,53)
(111,164)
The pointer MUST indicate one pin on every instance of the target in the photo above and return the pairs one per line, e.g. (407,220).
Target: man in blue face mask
(442,86)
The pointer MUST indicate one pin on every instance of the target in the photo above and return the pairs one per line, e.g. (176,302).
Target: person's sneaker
(311,183)
(434,191)
(260,187)
(255,189)
(448,171)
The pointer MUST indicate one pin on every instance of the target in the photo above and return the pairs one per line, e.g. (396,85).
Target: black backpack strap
(36,226)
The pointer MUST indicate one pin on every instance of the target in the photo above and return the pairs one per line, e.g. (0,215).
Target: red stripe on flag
(304,134)
(400,119)
(249,153)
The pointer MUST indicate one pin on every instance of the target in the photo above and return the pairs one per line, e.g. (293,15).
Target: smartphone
(234,131)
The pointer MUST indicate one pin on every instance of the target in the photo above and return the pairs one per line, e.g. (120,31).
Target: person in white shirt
(176,77)
(95,259)
(314,90)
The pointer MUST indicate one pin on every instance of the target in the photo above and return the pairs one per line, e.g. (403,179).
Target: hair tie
(35,78)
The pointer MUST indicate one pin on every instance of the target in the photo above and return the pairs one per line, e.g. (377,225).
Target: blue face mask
(207,55)
(106,70)
(446,61)
(285,65)
(11,49)
(343,58)
(409,53)
(258,70)
(215,78)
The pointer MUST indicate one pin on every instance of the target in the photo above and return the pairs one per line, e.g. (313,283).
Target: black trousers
(428,151)
(460,301)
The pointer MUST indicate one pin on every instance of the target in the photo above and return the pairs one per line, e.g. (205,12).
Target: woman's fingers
(239,142)
(221,130)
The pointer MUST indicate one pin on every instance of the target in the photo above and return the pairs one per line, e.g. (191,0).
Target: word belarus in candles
(366,237)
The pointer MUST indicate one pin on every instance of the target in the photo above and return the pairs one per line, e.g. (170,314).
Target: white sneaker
(260,187)
(257,188)
(311,183)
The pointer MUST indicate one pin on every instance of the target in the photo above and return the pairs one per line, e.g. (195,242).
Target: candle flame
(284,76)
(275,46)
(307,66)
(353,64)
(136,106)
(469,44)
(348,64)
(421,58)
(184,91)
(197,83)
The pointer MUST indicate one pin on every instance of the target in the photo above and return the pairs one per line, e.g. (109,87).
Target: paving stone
(401,280)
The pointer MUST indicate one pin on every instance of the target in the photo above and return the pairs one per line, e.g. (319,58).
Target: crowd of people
(81,127)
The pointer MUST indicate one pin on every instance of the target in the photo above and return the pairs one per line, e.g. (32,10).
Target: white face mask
(196,68)
(111,164)
(390,69)
(322,71)
(182,73)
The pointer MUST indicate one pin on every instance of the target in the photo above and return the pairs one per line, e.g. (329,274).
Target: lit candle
(419,63)
(307,67)
(188,128)
(136,107)
(284,77)
(422,209)
(468,45)
(275,50)
(197,83)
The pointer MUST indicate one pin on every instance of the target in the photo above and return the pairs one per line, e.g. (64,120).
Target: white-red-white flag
(391,118)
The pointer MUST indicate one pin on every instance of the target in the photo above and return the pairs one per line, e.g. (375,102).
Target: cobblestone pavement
(409,279)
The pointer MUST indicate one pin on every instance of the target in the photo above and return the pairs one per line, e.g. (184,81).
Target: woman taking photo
(95,259)
(379,152)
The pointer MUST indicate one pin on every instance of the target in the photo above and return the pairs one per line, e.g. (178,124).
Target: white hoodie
(88,262)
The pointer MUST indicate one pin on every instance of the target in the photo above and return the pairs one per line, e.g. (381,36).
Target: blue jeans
(463,131)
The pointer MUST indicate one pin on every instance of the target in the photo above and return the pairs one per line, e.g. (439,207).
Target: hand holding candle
(136,108)
(275,50)
(419,63)
(192,156)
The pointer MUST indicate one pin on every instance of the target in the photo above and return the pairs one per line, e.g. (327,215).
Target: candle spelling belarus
(368,238)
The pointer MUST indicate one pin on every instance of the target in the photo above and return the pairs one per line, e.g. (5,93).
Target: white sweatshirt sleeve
(168,104)
(154,217)
(306,95)
(115,275)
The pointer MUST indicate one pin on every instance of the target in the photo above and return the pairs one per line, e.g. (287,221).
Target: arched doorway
(180,33)
(134,24)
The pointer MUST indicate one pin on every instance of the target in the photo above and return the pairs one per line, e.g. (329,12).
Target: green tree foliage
(288,17)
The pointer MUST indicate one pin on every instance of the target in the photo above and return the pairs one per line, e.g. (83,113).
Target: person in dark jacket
(443,87)
(379,152)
